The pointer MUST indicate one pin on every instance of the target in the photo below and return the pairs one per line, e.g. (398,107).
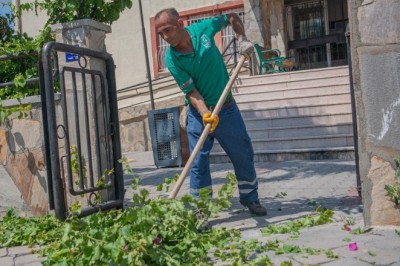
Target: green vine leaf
(19,81)
(323,216)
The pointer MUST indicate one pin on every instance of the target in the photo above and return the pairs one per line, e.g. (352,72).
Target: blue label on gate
(69,57)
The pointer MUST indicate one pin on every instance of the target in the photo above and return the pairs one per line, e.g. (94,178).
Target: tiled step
(331,98)
(267,85)
(296,115)
(343,153)
(291,93)
(297,110)
(294,121)
(294,75)
(300,131)
(345,140)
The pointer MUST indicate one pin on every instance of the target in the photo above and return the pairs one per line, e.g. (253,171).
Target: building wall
(375,48)
(125,41)
(278,34)
(254,22)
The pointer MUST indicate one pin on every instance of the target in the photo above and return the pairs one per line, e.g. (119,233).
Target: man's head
(169,26)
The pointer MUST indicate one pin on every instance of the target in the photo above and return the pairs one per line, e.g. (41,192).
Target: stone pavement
(289,190)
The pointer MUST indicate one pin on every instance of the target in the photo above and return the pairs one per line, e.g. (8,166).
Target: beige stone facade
(22,155)
(375,49)
(125,41)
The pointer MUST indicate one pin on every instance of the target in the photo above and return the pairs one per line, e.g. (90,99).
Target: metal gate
(315,31)
(82,137)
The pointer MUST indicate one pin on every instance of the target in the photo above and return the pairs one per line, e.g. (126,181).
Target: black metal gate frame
(55,180)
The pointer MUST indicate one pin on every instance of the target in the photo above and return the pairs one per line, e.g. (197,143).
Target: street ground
(289,190)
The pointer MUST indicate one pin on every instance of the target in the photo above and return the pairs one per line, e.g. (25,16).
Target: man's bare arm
(197,101)
(237,25)
(245,47)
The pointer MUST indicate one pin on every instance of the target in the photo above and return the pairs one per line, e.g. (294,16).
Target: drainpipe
(146,54)
(353,112)
(19,19)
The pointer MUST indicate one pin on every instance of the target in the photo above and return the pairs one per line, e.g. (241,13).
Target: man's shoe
(255,208)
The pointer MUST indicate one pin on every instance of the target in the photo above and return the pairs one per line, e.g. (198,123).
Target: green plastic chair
(274,60)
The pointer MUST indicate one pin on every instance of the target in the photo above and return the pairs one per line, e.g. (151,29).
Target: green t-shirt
(204,68)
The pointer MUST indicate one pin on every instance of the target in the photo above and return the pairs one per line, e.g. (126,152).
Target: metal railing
(29,81)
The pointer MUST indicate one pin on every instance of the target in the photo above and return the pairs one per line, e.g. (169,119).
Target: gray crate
(165,136)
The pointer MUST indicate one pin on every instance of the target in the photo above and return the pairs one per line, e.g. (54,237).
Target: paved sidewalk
(306,184)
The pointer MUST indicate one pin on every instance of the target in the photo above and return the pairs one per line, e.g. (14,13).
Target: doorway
(316,32)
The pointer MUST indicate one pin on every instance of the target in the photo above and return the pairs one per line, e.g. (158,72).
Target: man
(198,67)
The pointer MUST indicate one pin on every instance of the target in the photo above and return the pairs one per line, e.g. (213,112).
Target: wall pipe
(146,54)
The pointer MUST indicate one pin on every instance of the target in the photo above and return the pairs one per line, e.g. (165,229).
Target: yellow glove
(207,118)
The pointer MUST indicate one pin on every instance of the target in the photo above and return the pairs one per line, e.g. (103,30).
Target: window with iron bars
(227,36)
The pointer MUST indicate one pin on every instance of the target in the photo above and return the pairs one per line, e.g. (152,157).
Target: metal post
(235,60)
(59,197)
(353,113)
(146,54)
(46,134)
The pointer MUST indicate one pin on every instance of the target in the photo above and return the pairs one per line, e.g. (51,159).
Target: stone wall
(22,154)
(375,48)
(257,28)
(264,24)
(134,124)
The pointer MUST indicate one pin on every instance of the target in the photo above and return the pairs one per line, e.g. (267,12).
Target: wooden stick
(206,130)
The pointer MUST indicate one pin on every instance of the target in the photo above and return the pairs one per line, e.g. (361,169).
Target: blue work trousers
(232,135)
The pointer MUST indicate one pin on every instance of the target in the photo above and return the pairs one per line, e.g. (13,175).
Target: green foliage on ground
(323,216)
(156,231)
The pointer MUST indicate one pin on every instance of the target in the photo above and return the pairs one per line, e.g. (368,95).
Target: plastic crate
(165,136)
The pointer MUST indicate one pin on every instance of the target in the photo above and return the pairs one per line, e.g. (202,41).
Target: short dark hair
(170,11)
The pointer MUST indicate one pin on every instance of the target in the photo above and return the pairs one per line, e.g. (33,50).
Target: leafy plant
(7,111)
(281,195)
(323,216)
(397,165)
(393,191)
(329,254)
(158,232)
(125,165)
(23,52)
(13,43)
(359,231)
(154,232)
(59,11)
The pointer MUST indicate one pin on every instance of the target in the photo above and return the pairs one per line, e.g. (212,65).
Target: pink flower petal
(157,240)
(353,246)
(347,228)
